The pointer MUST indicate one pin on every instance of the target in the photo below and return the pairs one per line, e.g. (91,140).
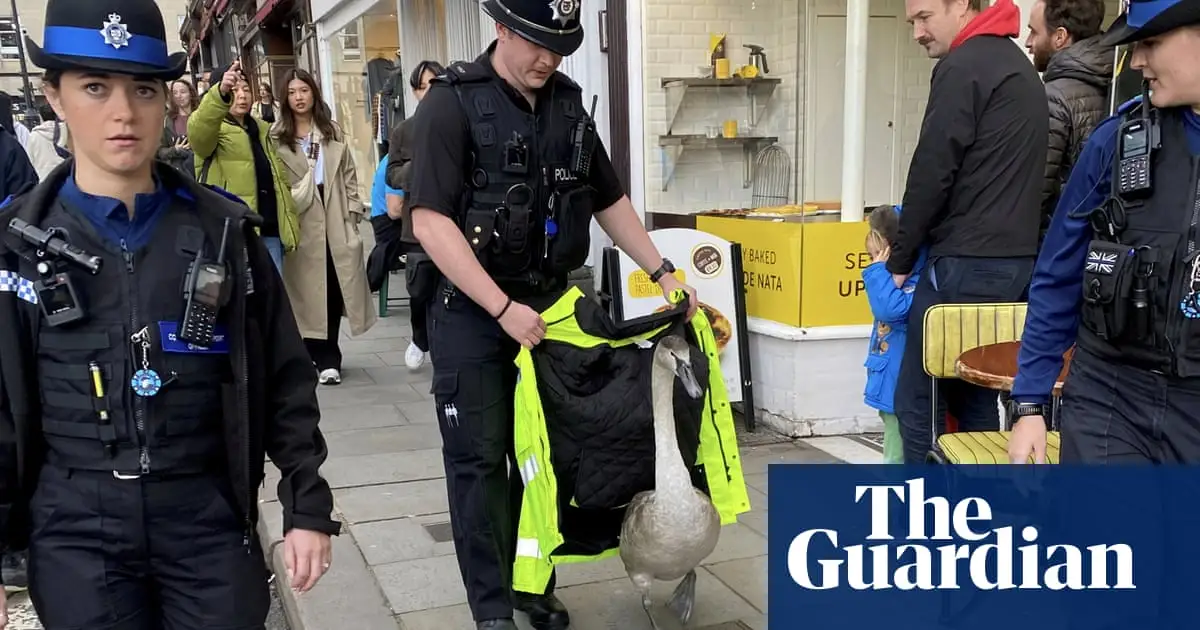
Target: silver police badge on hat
(117,35)
(564,10)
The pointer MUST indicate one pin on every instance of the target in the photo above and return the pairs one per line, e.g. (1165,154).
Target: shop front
(777,125)
(367,49)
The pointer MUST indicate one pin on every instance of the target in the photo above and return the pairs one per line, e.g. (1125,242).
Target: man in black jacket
(1065,41)
(973,190)
(147,372)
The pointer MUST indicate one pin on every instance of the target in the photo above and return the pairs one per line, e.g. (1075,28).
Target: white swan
(669,530)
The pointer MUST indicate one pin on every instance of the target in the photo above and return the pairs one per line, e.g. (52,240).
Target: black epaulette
(463,72)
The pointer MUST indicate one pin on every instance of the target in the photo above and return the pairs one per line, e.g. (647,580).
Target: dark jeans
(326,353)
(1122,415)
(958,281)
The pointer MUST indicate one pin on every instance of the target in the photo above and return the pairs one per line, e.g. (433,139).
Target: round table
(994,366)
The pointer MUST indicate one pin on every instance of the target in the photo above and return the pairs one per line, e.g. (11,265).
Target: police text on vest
(985,556)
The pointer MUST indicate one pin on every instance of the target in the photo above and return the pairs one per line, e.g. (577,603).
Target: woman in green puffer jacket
(233,152)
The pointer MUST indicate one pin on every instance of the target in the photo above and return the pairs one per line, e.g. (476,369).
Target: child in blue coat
(889,306)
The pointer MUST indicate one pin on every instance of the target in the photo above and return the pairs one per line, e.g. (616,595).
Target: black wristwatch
(662,270)
(1019,410)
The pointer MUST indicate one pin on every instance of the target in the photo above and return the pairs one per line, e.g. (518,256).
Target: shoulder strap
(203,179)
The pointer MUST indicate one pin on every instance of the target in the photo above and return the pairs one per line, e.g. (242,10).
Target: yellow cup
(721,70)
(730,129)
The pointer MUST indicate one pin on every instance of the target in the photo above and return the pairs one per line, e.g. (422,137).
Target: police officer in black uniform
(1119,274)
(507,175)
(149,361)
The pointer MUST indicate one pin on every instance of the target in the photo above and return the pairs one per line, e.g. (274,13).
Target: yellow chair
(949,331)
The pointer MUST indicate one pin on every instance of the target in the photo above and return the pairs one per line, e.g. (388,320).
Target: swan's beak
(684,371)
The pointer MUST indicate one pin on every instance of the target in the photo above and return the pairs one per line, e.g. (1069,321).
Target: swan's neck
(670,472)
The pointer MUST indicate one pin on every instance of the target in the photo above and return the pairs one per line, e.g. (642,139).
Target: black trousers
(326,353)
(1119,415)
(473,386)
(419,319)
(958,281)
(142,554)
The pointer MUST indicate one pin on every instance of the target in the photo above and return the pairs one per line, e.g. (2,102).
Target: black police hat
(1149,18)
(122,36)
(551,24)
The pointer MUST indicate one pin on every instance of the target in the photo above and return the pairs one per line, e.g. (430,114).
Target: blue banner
(983,547)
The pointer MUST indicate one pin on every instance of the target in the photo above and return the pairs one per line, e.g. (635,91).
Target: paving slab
(381,468)
(393,500)
(385,440)
(747,577)
(399,539)
(422,583)
(419,412)
(334,419)
(344,396)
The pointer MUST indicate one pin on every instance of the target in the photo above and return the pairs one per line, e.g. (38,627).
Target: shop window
(362,56)
(723,84)
(9,34)
(351,46)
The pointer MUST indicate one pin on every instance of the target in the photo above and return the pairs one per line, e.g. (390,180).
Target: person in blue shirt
(889,305)
(1119,276)
(382,194)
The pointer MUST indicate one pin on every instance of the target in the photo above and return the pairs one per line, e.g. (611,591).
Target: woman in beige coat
(326,276)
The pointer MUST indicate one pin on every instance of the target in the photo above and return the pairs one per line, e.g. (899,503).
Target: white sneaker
(330,377)
(414,358)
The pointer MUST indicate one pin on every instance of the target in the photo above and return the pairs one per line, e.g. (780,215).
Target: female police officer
(140,389)
(507,176)
(1119,274)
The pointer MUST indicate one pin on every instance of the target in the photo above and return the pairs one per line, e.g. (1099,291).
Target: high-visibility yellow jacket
(540,543)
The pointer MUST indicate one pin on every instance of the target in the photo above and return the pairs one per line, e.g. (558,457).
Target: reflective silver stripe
(529,470)
(528,547)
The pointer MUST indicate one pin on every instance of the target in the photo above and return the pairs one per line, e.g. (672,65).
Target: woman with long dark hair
(174,148)
(326,277)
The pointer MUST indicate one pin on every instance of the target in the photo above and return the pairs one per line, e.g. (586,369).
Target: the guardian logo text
(950,547)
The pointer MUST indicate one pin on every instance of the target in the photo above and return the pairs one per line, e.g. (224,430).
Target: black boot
(545,611)
(496,624)
(14,570)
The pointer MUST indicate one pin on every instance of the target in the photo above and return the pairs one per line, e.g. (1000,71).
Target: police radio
(56,295)
(583,144)
(205,292)
(1138,140)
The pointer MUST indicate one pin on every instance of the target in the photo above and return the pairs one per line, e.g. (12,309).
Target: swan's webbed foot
(684,598)
(646,607)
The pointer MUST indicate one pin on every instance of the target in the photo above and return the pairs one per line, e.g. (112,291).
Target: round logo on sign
(707,261)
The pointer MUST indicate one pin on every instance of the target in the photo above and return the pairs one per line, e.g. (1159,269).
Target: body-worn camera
(58,300)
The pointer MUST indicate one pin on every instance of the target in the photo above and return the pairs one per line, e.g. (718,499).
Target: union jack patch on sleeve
(1101,262)
(12,282)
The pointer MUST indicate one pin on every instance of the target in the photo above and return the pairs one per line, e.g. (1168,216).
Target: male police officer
(507,175)
(148,361)
(1121,259)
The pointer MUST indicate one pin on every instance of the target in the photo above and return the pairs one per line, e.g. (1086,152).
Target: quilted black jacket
(1077,91)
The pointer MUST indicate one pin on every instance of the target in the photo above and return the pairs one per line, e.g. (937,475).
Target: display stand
(711,265)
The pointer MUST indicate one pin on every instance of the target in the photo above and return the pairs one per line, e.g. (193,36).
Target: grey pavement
(394,565)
